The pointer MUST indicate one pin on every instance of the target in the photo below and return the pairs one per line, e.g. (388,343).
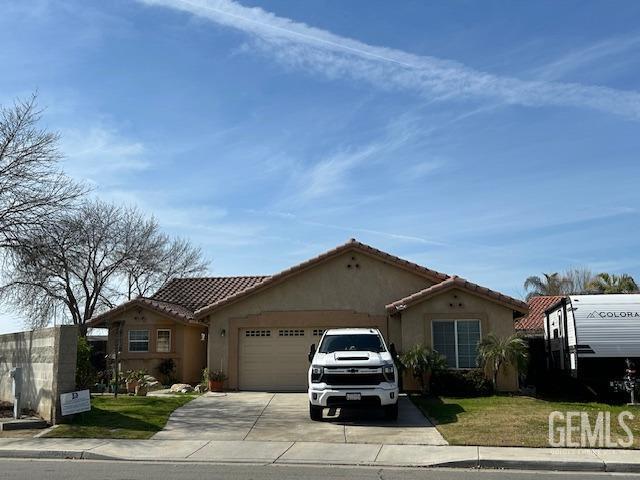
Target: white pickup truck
(352,367)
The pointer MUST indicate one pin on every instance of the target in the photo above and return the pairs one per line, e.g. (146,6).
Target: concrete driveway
(285,417)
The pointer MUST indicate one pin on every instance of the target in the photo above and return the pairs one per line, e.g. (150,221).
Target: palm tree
(423,362)
(611,283)
(494,352)
(551,284)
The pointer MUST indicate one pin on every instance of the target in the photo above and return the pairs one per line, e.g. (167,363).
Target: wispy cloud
(309,48)
(97,152)
(587,56)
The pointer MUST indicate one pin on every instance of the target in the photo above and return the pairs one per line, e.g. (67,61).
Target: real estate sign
(75,402)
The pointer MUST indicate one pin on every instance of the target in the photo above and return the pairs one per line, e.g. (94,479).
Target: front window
(138,340)
(457,341)
(347,343)
(163,343)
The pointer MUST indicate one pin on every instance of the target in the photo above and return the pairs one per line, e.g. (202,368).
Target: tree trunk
(82,329)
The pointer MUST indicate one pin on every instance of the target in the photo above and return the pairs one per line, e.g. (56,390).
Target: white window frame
(138,341)
(455,334)
(157,337)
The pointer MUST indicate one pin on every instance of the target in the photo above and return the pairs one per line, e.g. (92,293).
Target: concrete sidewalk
(261,452)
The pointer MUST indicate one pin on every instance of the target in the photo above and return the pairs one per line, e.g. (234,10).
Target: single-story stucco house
(258,329)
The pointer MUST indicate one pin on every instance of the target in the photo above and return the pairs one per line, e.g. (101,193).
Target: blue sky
(492,140)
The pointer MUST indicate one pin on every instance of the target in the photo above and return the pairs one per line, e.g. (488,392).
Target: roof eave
(448,285)
(103,318)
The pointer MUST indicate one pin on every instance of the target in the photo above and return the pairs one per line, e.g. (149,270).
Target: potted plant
(142,384)
(131,380)
(215,379)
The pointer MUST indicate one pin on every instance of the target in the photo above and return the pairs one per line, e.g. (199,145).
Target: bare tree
(81,263)
(32,187)
(163,258)
(578,280)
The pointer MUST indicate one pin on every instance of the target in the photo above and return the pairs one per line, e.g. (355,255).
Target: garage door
(275,358)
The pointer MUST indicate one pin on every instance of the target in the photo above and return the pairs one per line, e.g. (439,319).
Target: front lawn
(512,420)
(124,417)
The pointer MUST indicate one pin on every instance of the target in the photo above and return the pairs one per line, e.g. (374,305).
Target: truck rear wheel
(315,412)
(391,411)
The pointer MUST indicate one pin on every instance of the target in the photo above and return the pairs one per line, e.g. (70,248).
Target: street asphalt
(23,469)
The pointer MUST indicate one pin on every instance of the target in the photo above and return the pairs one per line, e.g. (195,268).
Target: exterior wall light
(223,332)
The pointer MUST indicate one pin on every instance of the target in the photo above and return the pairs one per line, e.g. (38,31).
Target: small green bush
(85,373)
(461,383)
(167,371)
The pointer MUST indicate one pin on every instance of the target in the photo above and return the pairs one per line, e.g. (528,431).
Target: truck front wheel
(315,412)
(391,411)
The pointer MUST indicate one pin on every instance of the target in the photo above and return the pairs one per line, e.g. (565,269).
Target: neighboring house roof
(533,323)
(352,244)
(461,283)
(180,297)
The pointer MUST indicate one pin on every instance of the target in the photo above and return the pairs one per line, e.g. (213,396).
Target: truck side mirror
(312,352)
(393,351)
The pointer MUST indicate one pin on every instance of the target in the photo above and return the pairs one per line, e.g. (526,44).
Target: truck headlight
(316,374)
(388,373)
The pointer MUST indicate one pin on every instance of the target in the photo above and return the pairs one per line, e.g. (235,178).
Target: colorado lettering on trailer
(597,314)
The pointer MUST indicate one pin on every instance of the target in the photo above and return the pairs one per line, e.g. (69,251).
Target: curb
(43,454)
(569,466)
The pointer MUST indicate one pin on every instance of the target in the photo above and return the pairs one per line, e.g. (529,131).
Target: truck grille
(353,379)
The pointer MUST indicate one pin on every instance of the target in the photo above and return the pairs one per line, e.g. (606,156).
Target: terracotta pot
(131,386)
(215,386)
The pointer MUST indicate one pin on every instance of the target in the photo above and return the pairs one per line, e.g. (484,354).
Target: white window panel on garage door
(275,359)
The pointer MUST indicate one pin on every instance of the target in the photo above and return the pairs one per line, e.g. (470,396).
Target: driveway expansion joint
(284,453)
(258,417)
(378,454)
(198,449)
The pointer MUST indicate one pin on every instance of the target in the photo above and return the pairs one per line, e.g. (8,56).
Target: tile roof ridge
(351,243)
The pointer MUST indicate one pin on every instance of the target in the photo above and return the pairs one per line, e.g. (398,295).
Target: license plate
(354,396)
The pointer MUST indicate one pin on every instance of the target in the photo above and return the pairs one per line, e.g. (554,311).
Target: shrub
(461,383)
(167,369)
(85,373)
(422,362)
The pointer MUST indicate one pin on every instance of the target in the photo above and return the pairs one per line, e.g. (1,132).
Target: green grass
(124,417)
(511,420)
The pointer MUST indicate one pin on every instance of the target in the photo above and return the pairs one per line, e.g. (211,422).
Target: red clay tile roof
(457,282)
(174,311)
(352,244)
(195,293)
(180,297)
(189,299)
(533,323)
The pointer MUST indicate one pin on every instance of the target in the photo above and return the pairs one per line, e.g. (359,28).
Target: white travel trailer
(592,335)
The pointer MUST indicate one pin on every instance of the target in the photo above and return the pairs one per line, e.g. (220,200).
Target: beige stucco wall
(329,292)
(187,350)
(456,304)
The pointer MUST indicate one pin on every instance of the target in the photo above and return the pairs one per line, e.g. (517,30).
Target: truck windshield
(347,343)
